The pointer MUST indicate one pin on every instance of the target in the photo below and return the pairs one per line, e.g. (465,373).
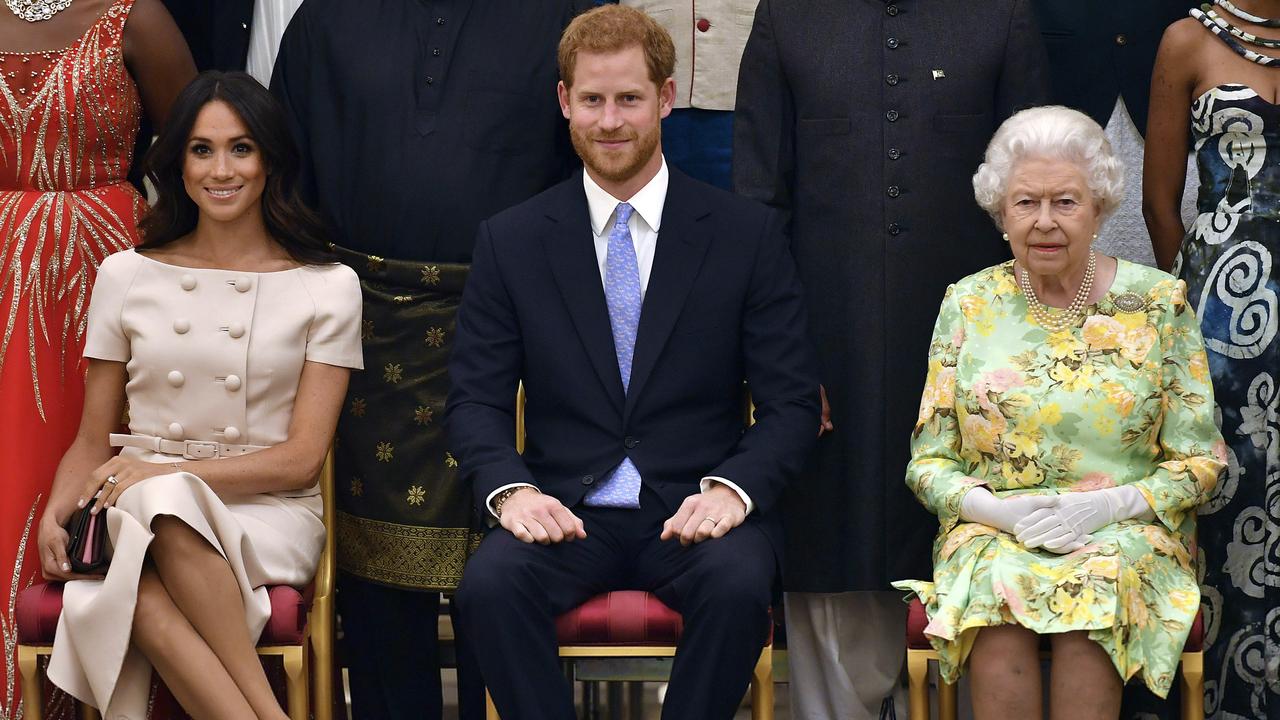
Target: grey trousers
(846,652)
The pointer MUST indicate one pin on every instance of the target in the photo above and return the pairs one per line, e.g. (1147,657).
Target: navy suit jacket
(723,307)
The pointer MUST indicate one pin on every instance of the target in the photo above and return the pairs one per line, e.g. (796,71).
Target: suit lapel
(676,263)
(572,256)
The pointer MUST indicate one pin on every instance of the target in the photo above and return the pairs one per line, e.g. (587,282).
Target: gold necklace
(37,10)
(1068,317)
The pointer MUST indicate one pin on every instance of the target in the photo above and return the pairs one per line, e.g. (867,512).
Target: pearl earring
(1006,236)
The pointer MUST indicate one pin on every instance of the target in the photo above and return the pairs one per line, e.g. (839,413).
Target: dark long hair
(288,218)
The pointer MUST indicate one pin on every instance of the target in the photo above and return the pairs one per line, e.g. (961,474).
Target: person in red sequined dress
(74,77)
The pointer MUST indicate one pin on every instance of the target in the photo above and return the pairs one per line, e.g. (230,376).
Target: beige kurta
(213,355)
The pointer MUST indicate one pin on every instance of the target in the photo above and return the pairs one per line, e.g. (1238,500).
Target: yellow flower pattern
(1123,398)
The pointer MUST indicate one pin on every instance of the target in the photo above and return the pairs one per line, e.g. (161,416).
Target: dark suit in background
(864,121)
(417,119)
(722,307)
(1101,54)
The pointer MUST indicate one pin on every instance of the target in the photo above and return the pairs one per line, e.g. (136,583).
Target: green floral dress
(1124,398)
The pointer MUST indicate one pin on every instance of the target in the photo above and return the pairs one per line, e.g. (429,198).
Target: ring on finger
(111,480)
(713,520)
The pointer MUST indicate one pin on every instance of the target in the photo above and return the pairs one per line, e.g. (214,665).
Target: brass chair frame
(314,652)
(1192,677)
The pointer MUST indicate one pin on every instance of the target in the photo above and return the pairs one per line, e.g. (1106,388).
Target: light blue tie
(621,489)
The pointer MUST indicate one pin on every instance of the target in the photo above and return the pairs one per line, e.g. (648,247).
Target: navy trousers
(511,593)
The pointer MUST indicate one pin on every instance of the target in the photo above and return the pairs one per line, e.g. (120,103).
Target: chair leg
(322,660)
(1193,686)
(32,688)
(918,684)
(762,686)
(946,700)
(490,711)
(295,671)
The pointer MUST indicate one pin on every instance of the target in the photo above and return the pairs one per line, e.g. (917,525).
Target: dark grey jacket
(864,120)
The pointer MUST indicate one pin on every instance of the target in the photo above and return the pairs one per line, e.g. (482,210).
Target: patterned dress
(68,119)
(1122,399)
(1228,261)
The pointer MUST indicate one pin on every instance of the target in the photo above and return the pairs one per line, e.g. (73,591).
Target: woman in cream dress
(230,333)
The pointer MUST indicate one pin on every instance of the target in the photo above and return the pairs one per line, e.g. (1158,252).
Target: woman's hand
(115,476)
(51,541)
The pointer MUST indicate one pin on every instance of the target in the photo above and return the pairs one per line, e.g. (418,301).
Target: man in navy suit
(633,302)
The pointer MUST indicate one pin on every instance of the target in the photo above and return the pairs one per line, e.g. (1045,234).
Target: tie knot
(622,214)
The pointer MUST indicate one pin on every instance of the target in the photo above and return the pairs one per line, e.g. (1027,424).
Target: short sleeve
(334,336)
(105,338)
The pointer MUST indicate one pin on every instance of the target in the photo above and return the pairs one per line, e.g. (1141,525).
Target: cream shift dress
(214,356)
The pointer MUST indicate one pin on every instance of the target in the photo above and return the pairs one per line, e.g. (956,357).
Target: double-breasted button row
(893,191)
(588,479)
(232,382)
(892,10)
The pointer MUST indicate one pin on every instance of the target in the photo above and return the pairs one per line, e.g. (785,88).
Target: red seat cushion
(40,605)
(917,620)
(622,617)
(37,613)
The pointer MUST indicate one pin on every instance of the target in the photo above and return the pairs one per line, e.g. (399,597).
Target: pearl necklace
(1073,311)
(37,10)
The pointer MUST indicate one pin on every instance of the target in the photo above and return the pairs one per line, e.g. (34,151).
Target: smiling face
(1050,217)
(615,118)
(222,168)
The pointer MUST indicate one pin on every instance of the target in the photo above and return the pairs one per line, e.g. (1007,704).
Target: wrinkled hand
(711,514)
(534,517)
(52,540)
(126,472)
(825,426)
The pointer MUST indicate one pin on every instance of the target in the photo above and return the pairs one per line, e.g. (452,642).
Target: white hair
(1051,132)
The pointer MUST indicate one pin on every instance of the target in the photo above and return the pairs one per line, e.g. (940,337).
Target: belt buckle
(199,449)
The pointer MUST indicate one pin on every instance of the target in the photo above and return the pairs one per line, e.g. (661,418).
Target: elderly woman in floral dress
(1065,438)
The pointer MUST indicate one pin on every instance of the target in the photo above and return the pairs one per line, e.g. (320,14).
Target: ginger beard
(619,165)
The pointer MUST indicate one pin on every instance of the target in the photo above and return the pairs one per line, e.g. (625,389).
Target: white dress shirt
(644,225)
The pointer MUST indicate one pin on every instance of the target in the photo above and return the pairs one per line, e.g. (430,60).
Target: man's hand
(711,514)
(534,517)
(824,425)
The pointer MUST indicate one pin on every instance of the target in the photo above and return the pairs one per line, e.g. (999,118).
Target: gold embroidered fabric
(68,120)
(405,516)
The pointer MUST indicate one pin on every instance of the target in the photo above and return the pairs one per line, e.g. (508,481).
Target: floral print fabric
(1123,398)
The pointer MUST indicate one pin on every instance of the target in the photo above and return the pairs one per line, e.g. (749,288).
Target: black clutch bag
(87,547)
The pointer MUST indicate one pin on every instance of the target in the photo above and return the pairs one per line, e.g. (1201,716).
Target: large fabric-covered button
(176,379)
(232,434)
(187,281)
(176,432)
(235,329)
(181,326)
(243,283)
(233,382)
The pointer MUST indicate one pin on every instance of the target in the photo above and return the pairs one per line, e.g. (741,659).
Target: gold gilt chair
(299,632)
(632,624)
(919,653)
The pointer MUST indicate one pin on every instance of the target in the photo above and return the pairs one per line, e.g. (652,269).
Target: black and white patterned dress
(1228,260)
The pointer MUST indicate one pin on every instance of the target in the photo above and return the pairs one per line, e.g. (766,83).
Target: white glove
(1078,514)
(980,506)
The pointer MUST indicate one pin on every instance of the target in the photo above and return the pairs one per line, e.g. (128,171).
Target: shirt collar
(647,202)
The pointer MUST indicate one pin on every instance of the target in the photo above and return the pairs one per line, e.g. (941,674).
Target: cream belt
(189,449)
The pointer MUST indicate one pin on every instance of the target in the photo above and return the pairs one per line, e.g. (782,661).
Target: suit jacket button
(631,442)
(588,479)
